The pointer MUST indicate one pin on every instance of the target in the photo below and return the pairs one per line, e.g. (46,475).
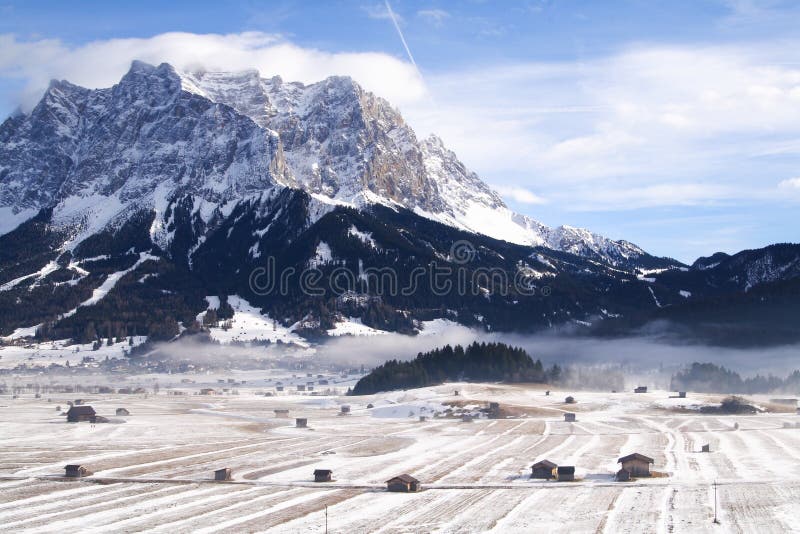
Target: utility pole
(716,520)
(326,520)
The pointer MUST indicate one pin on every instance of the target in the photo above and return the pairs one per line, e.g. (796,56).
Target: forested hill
(479,362)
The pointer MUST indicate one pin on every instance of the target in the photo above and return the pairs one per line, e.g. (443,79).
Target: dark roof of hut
(636,456)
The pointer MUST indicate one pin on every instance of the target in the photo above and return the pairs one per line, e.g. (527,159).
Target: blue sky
(675,125)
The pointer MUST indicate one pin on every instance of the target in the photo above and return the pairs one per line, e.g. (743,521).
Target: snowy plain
(153,468)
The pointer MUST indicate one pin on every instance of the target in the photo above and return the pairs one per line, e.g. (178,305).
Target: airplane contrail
(402,38)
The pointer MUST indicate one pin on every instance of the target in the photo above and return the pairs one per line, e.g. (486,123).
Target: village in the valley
(289,451)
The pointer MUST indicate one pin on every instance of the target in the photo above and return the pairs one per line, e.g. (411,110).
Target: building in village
(640,389)
(638,465)
(323,475)
(76,414)
(623,475)
(122,411)
(301,422)
(569,417)
(403,483)
(544,469)
(565,473)
(223,474)
(76,471)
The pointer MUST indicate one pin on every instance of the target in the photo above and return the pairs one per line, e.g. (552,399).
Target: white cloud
(435,16)
(648,126)
(655,125)
(791,183)
(380,12)
(518,194)
(102,63)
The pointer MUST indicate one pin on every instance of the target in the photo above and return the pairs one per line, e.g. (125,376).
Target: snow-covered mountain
(122,209)
(160,133)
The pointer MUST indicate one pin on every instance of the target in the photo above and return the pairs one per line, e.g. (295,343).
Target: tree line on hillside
(710,378)
(478,362)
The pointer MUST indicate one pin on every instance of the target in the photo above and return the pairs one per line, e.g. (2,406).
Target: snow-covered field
(153,468)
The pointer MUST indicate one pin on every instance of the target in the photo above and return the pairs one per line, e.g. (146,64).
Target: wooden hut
(122,411)
(543,469)
(638,465)
(301,388)
(281,412)
(223,474)
(77,414)
(681,394)
(640,389)
(301,422)
(344,410)
(623,475)
(706,448)
(565,473)
(466,418)
(403,483)
(76,471)
(569,417)
(323,475)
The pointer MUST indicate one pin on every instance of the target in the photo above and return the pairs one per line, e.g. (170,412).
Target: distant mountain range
(122,209)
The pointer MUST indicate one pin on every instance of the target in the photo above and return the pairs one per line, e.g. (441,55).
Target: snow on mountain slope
(353,147)
(99,156)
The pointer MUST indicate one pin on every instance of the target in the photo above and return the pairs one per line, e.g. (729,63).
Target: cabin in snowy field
(423,418)
(681,394)
(301,388)
(122,411)
(207,391)
(623,475)
(640,389)
(569,417)
(706,448)
(638,465)
(281,412)
(222,474)
(301,422)
(77,414)
(466,418)
(323,475)
(278,388)
(543,469)
(494,410)
(345,410)
(565,473)
(76,471)
(402,483)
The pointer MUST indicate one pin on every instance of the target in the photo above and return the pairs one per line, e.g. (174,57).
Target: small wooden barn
(76,471)
(640,389)
(323,475)
(123,411)
(301,388)
(423,418)
(681,394)
(403,483)
(638,465)
(344,410)
(569,417)
(281,412)
(76,414)
(706,448)
(301,422)
(565,473)
(222,474)
(543,469)
(623,475)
